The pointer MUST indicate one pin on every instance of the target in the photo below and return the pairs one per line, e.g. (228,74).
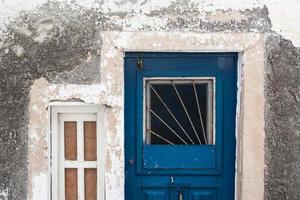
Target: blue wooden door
(180,126)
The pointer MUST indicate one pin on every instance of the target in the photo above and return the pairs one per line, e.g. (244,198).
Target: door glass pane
(90,144)
(71,184)
(70,130)
(90,181)
(179,111)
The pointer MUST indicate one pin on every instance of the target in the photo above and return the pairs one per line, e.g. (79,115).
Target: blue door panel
(183,63)
(202,195)
(175,157)
(165,172)
(179,180)
(155,194)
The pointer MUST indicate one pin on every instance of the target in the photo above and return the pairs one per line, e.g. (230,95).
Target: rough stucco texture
(40,44)
(282,114)
(60,42)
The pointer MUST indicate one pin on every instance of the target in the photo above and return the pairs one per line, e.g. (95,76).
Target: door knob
(131,162)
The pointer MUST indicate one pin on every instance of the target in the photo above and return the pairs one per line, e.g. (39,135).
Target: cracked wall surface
(58,43)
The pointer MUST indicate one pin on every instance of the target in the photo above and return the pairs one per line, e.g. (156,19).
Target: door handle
(131,162)
(180,196)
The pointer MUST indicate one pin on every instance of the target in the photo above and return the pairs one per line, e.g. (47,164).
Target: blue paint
(175,157)
(164,171)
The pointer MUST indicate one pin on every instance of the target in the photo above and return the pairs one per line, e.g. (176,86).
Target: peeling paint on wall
(4,194)
(40,186)
(41,43)
(141,11)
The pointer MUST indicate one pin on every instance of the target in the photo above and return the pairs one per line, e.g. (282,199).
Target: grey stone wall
(282,114)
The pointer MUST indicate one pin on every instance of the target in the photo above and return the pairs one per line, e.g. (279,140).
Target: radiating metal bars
(149,86)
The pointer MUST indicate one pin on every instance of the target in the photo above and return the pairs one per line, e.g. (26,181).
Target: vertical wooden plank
(211,111)
(55,129)
(90,141)
(90,179)
(101,144)
(70,133)
(61,169)
(80,155)
(146,113)
(81,184)
(50,155)
(80,141)
(71,184)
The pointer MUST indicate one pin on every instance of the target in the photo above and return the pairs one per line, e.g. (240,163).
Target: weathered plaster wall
(97,93)
(40,43)
(60,42)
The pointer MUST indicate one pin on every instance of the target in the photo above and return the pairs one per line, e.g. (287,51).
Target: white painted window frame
(77,112)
